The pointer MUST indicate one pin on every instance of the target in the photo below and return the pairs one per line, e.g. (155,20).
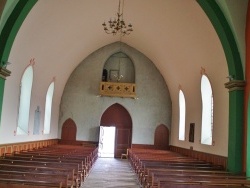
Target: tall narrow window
(48,107)
(207,111)
(182,115)
(24,101)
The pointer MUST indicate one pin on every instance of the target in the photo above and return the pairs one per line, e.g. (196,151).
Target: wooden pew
(78,172)
(146,177)
(82,163)
(211,183)
(46,171)
(195,175)
(166,169)
(178,165)
(36,179)
(71,161)
(7,183)
(173,164)
(88,161)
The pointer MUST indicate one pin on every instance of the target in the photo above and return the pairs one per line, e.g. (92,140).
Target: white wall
(192,92)
(43,76)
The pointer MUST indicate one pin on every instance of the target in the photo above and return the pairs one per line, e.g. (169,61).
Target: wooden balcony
(117,89)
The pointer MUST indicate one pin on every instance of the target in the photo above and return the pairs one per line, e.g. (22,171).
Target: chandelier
(118,25)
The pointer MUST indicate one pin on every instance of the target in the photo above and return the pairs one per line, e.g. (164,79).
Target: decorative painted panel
(117,89)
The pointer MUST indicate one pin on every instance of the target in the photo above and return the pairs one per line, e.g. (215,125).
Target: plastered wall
(81,101)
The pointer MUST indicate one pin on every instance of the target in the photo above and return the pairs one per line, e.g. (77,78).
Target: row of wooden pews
(168,169)
(53,166)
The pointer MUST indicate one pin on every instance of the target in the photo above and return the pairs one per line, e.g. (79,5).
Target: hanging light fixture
(118,25)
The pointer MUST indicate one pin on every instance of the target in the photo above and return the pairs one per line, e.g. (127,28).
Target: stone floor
(111,172)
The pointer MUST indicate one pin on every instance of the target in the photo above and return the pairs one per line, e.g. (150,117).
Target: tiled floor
(110,172)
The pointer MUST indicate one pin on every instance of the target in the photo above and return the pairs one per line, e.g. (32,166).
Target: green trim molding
(247,93)
(2,83)
(248,139)
(12,27)
(8,35)
(236,122)
(226,37)
(236,95)
(3,74)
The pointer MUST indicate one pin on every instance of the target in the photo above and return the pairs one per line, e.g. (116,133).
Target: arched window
(24,101)
(207,111)
(182,115)
(48,107)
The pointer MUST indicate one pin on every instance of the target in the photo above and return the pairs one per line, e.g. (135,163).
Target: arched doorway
(161,140)
(69,130)
(117,116)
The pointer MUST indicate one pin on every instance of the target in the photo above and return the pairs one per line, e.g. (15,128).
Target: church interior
(169,77)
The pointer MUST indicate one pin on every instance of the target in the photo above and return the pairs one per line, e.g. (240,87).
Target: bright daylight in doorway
(106,141)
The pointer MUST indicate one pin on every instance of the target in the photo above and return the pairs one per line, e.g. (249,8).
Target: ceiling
(176,35)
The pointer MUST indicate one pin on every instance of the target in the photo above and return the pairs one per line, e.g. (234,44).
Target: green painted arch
(211,8)
(8,35)
(6,10)
(226,36)
(217,18)
(236,98)
(12,26)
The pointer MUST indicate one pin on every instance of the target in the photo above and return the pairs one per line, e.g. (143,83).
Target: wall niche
(118,77)
(119,68)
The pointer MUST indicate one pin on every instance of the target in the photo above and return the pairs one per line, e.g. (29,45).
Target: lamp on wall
(118,25)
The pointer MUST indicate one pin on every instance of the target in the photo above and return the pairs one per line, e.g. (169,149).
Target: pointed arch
(236,102)
(8,34)
(24,101)
(120,68)
(161,140)
(48,108)
(69,130)
(182,115)
(207,111)
(12,26)
(116,115)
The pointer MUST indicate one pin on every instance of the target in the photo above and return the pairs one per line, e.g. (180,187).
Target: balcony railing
(117,89)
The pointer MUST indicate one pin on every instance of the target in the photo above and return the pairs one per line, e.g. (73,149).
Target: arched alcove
(69,130)
(119,68)
(161,140)
(116,115)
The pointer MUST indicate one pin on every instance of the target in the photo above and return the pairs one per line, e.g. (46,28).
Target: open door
(106,141)
(118,117)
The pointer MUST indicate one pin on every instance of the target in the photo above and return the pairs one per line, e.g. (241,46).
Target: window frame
(207,118)
(182,115)
(25,89)
(48,108)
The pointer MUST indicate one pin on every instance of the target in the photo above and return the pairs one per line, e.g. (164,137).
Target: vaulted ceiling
(176,35)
